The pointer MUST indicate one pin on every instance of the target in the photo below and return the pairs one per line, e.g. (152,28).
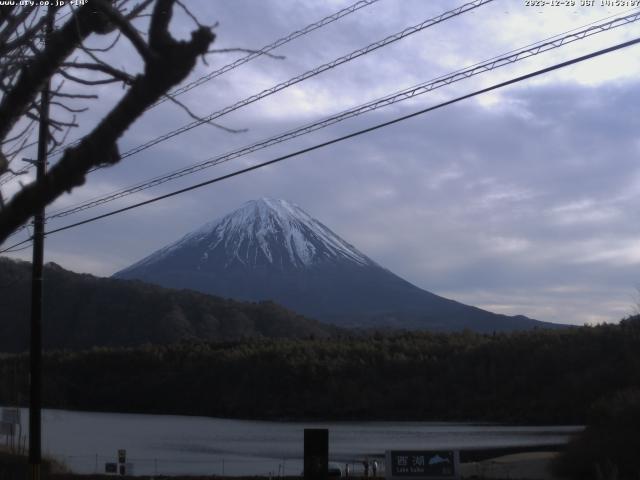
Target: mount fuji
(273,250)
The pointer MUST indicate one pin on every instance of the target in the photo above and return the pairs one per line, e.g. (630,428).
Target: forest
(82,311)
(538,376)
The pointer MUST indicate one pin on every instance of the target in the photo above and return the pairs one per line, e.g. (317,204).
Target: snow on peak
(266,230)
(267,224)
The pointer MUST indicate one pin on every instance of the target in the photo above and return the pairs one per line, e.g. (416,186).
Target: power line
(251,56)
(278,43)
(355,134)
(311,73)
(14,250)
(235,64)
(491,64)
(304,76)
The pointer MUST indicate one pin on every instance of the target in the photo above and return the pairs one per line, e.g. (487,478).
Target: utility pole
(35,349)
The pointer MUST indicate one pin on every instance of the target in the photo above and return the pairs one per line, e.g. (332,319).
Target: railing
(223,466)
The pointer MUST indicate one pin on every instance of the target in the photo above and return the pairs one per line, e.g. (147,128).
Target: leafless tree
(27,62)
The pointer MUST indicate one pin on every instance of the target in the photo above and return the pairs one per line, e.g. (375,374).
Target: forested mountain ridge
(540,376)
(81,311)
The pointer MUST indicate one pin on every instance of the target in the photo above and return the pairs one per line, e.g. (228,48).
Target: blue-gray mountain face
(273,250)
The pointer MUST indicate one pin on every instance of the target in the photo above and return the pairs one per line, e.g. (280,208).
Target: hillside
(82,311)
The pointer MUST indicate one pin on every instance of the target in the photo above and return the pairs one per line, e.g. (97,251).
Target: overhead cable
(239,62)
(352,135)
(304,76)
(486,66)
(311,73)
(266,49)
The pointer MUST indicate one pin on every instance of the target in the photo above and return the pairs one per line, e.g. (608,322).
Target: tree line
(539,376)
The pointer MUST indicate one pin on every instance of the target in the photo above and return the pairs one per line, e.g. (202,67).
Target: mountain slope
(82,311)
(272,249)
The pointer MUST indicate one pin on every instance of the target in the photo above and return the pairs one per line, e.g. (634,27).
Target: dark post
(316,453)
(35,349)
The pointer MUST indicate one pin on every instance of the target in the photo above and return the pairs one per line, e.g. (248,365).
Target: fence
(225,466)
(88,464)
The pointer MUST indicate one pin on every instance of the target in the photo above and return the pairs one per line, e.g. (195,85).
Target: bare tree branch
(4,163)
(84,81)
(22,146)
(75,95)
(159,36)
(13,22)
(126,28)
(68,108)
(188,12)
(104,49)
(59,124)
(19,134)
(61,43)
(28,34)
(138,9)
(101,67)
(170,63)
(5,12)
(56,143)
(200,119)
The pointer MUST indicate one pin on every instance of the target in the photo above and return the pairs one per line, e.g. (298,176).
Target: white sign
(422,464)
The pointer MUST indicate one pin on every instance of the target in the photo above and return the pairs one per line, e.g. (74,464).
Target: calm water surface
(171,445)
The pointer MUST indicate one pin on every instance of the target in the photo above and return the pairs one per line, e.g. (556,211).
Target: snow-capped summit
(273,250)
(277,232)
(261,232)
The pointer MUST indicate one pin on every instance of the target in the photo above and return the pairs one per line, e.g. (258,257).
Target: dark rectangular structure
(316,453)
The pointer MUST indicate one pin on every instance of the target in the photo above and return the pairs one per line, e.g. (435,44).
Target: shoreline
(301,419)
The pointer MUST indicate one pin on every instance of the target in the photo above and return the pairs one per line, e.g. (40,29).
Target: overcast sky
(521,201)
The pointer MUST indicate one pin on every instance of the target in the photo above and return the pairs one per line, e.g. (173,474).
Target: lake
(173,445)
